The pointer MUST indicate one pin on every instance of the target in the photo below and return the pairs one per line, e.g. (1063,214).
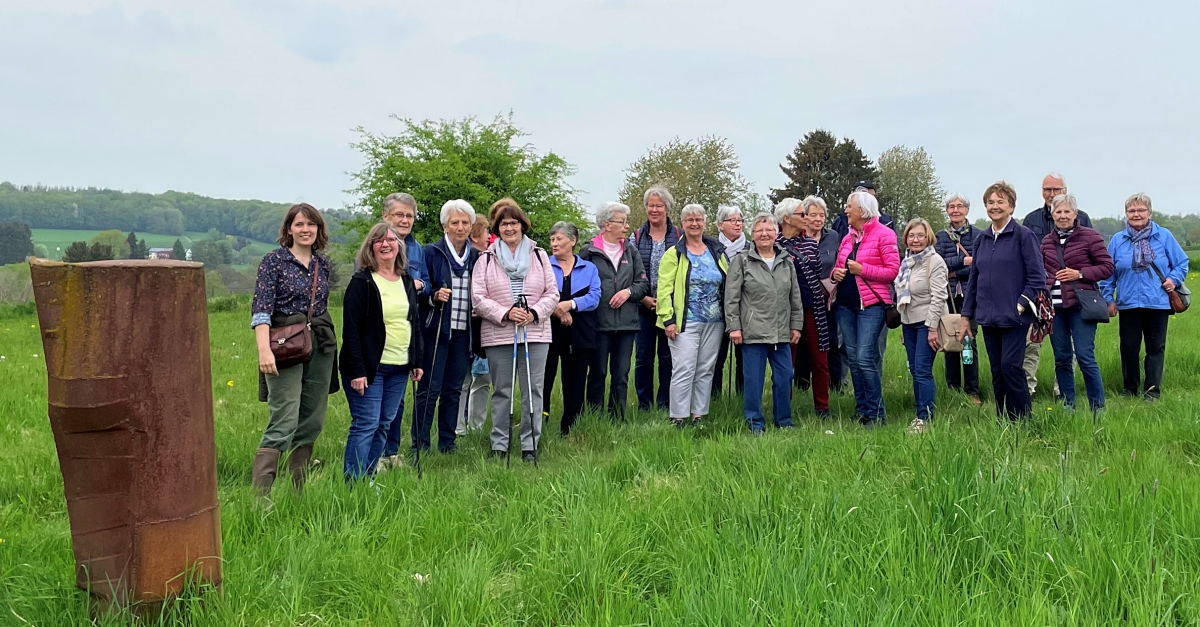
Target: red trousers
(818,361)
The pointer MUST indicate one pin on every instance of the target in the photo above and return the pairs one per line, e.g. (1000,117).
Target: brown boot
(298,463)
(266,463)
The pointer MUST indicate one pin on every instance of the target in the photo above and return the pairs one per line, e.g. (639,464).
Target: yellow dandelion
(229,383)
(33,326)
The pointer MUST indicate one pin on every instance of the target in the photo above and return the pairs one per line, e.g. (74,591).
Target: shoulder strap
(312,298)
(1058,248)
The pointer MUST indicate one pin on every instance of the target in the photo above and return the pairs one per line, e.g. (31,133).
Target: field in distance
(57,240)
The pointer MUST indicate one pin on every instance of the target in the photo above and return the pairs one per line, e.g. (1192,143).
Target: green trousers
(297,398)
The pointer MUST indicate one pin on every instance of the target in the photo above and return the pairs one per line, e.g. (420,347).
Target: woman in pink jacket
(867,263)
(514,292)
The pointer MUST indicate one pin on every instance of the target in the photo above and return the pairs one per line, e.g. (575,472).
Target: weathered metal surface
(130,404)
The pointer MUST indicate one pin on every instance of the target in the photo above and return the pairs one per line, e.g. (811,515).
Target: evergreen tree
(823,166)
(100,252)
(16,242)
(178,250)
(137,247)
(77,252)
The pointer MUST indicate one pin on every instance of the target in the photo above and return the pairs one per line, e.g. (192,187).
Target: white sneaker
(918,426)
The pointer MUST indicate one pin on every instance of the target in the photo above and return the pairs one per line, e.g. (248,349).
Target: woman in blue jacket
(1150,263)
(1006,277)
(573,323)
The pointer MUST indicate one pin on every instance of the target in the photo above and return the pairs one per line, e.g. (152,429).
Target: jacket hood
(752,251)
(598,243)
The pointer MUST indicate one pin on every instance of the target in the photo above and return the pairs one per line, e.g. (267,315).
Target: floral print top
(284,287)
(704,290)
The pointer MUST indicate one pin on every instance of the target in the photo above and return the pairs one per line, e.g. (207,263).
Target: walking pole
(437,338)
(729,378)
(512,401)
(533,429)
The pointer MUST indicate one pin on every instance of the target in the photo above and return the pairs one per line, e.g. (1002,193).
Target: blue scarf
(1143,254)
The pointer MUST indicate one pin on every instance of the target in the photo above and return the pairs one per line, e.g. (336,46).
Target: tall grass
(1066,520)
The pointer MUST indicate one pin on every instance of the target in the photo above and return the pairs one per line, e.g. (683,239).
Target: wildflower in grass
(422,579)
(35,355)
(828,432)
(229,383)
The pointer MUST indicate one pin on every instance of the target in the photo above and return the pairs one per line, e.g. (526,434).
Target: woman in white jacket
(921,293)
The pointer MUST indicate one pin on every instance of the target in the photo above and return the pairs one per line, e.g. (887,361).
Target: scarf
(458,264)
(1143,253)
(956,234)
(732,247)
(904,279)
(1063,234)
(515,264)
(807,257)
(612,250)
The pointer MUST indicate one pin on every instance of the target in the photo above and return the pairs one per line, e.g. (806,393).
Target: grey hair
(605,212)
(399,198)
(724,212)
(785,208)
(692,208)
(811,201)
(663,195)
(457,205)
(764,216)
(567,229)
(866,202)
(1138,199)
(1069,199)
(956,196)
(1056,175)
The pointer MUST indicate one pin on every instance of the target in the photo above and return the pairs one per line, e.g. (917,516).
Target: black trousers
(575,362)
(960,376)
(1006,352)
(739,380)
(1138,325)
(610,357)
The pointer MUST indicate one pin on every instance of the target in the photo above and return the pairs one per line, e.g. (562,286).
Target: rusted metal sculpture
(130,396)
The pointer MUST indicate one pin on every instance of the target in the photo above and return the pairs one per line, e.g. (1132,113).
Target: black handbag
(891,315)
(1092,307)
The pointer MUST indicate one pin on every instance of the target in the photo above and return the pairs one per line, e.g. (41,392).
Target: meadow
(1067,520)
(57,240)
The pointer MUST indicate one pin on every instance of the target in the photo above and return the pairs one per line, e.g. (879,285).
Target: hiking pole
(430,391)
(729,378)
(512,401)
(533,429)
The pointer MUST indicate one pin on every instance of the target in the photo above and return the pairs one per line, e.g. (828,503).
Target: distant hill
(169,213)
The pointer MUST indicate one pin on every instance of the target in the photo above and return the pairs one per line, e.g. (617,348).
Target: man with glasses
(1041,223)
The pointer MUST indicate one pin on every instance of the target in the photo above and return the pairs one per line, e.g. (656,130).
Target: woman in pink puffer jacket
(867,263)
(513,290)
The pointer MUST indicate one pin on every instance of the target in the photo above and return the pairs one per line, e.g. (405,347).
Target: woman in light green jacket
(764,314)
(691,287)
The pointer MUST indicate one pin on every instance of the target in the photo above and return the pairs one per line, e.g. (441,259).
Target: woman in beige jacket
(921,293)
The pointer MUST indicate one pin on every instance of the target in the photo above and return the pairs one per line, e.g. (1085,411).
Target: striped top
(1056,300)
(806,253)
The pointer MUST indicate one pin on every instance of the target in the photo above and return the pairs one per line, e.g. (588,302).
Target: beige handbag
(947,331)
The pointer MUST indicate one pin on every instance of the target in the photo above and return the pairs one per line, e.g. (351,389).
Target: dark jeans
(610,357)
(920,366)
(960,376)
(391,446)
(452,360)
(1073,339)
(1006,352)
(371,416)
(1138,325)
(780,356)
(652,344)
(575,362)
(839,361)
(860,329)
(739,377)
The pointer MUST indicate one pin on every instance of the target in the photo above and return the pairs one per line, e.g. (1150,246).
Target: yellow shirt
(397,331)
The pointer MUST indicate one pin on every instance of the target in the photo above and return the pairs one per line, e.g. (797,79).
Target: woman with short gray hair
(691,284)
(956,246)
(813,350)
(623,284)
(573,323)
(731,234)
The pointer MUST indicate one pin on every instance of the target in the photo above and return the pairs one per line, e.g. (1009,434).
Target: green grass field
(57,240)
(1064,521)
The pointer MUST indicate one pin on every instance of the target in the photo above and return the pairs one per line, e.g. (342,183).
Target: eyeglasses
(1054,190)
(618,222)
(733,220)
(508,224)
(1137,210)
(389,240)
(918,236)
(957,205)
(693,221)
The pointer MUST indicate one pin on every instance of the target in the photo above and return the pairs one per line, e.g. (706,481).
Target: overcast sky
(259,99)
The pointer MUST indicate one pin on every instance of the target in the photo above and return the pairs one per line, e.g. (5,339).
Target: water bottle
(968,351)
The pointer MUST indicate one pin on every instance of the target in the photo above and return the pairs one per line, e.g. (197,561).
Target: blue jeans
(392,445)
(755,357)
(1072,337)
(651,345)
(371,415)
(441,385)
(860,329)
(920,366)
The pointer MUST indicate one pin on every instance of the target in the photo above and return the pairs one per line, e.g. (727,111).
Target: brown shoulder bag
(292,344)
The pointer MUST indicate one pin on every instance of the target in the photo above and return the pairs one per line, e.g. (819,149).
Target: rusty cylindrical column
(130,404)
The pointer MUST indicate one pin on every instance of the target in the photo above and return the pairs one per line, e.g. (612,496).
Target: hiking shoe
(756,432)
(528,457)
(823,414)
(678,422)
(975,400)
(918,426)
(696,420)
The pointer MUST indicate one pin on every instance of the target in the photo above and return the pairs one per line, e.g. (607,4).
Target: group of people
(486,307)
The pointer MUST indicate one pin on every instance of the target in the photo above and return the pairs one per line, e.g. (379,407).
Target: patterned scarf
(1143,254)
(904,279)
(807,258)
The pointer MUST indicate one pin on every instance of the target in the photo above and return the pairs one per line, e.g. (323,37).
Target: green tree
(704,171)
(213,253)
(450,159)
(40,251)
(77,252)
(16,242)
(100,252)
(1193,236)
(116,242)
(821,165)
(909,187)
(137,247)
(178,250)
